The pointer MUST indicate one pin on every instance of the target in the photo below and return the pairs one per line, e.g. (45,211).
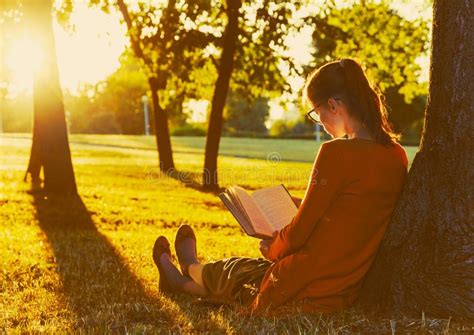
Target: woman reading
(319,260)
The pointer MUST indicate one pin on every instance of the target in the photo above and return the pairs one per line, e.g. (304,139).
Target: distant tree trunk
(162,133)
(50,147)
(426,261)
(158,82)
(210,179)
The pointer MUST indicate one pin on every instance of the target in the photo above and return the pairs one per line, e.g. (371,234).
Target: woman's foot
(185,246)
(171,279)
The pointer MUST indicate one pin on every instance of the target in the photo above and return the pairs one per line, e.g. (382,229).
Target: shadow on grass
(192,180)
(99,287)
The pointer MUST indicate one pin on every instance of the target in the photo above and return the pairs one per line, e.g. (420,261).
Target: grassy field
(84,265)
(292,150)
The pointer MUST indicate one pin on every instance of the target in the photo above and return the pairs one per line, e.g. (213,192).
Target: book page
(258,220)
(234,198)
(276,205)
(237,213)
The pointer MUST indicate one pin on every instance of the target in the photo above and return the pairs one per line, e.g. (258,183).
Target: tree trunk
(158,82)
(162,133)
(210,179)
(50,148)
(426,261)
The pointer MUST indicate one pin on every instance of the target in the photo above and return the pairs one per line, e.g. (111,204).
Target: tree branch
(134,42)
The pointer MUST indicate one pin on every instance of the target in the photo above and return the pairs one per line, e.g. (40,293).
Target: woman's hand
(266,243)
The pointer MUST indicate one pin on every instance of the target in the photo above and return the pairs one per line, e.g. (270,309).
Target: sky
(91,52)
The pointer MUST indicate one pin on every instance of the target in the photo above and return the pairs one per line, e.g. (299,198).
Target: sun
(86,55)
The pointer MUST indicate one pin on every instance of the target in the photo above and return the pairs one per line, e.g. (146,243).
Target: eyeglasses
(313,115)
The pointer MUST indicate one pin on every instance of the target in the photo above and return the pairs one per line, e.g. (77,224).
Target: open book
(261,213)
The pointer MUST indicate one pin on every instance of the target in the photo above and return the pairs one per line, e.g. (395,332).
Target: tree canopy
(242,116)
(387,44)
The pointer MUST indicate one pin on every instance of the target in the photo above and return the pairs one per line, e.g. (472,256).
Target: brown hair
(346,80)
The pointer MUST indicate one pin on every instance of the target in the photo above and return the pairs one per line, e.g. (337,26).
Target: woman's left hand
(265,245)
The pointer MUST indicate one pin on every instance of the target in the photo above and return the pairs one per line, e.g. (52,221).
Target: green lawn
(284,149)
(84,265)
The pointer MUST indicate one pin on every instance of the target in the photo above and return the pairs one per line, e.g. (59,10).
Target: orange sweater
(321,257)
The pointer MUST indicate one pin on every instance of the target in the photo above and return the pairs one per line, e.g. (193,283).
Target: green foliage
(280,128)
(178,43)
(387,44)
(167,36)
(259,56)
(201,83)
(406,117)
(113,105)
(190,129)
(303,127)
(85,116)
(243,115)
(121,93)
(119,98)
(300,128)
(261,48)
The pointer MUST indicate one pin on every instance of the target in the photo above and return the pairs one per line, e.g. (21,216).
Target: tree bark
(231,33)
(50,147)
(162,133)
(426,261)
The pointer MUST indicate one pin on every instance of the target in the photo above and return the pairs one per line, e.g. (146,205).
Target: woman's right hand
(264,247)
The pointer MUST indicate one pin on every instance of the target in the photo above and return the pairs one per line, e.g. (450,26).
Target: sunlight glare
(23,57)
(86,55)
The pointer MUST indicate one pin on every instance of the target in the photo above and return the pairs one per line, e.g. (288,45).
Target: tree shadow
(192,180)
(98,286)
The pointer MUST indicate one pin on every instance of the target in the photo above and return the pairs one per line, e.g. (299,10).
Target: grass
(284,149)
(84,265)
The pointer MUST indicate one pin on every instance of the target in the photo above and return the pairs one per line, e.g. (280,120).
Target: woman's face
(332,117)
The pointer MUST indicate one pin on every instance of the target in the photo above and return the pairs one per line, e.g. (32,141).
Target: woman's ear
(333,104)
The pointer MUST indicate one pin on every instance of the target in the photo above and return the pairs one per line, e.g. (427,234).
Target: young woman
(319,260)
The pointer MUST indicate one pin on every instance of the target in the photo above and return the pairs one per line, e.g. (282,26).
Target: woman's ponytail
(366,103)
(347,80)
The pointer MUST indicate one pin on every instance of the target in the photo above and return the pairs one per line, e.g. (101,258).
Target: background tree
(298,128)
(85,114)
(221,87)
(114,105)
(252,42)
(243,116)
(386,43)
(165,38)
(50,148)
(121,94)
(426,261)
(406,117)
(172,40)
